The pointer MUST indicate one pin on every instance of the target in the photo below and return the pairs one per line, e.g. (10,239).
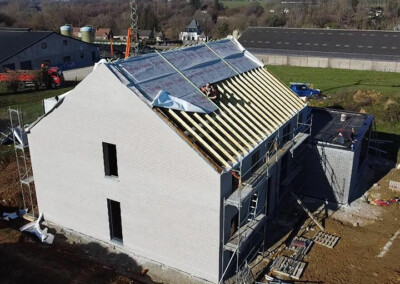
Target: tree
(196,4)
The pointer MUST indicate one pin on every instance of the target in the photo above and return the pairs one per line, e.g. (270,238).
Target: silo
(87,34)
(66,30)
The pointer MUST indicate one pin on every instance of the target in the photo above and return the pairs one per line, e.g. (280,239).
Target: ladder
(22,157)
(253,207)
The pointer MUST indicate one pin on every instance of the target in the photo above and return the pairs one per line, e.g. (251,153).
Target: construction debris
(34,228)
(289,267)
(14,215)
(326,239)
(380,202)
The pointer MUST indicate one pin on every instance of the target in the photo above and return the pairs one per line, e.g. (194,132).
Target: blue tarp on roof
(182,72)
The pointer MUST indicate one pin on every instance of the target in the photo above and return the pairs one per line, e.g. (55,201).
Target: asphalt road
(384,43)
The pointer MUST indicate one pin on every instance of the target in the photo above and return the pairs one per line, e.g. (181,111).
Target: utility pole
(134,28)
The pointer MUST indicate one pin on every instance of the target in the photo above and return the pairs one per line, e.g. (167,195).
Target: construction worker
(210,91)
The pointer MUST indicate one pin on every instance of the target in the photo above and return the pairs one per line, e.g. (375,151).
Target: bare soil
(364,230)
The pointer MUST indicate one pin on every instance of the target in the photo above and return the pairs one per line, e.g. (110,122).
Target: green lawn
(377,93)
(238,3)
(29,101)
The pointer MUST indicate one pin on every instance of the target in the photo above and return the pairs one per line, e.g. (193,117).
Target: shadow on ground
(23,259)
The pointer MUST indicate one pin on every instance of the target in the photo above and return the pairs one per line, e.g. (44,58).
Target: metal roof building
(26,49)
(362,45)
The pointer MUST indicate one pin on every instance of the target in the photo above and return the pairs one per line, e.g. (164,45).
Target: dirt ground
(364,230)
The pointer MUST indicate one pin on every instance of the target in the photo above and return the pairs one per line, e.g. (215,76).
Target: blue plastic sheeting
(180,73)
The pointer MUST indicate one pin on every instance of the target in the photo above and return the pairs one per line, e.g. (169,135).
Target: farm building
(325,48)
(26,49)
(137,156)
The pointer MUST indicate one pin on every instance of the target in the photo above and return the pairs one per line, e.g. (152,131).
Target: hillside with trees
(217,19)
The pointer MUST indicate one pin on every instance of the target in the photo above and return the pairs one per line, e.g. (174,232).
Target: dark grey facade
(334,169)
(26,49)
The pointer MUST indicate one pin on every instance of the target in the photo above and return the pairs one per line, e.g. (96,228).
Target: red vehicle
(46,77)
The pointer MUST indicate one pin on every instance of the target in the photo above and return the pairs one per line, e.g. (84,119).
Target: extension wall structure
(24,49)
(138,157)
(325,48)
(334,168)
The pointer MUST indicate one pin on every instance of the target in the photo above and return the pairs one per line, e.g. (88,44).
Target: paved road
(383,43)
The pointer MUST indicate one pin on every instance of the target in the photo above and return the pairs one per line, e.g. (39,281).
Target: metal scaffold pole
(24,168)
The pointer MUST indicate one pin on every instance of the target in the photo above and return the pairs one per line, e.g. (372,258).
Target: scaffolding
(254,223)
(22,156)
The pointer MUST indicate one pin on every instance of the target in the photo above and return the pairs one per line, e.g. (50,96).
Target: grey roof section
(323,42)
(14,41)
(193,24)
(181,72)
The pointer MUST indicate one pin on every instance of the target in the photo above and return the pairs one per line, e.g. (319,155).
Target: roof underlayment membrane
(172,79)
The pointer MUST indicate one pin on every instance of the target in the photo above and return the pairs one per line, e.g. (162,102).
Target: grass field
(238,3)
(28,101)
(372,92)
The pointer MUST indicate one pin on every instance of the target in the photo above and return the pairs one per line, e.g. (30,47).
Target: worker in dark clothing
(210,92)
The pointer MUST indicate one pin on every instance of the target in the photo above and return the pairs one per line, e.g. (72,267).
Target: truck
(303,90)
(48,77)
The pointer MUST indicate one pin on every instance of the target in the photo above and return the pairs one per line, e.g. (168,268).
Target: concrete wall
(169,195)
(330,172)
(329,62)
(55,51)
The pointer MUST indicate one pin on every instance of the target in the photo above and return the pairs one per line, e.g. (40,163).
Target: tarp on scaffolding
(180,73)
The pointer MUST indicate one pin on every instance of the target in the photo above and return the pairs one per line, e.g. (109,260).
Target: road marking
(350,34)
(278,42)
(394,35)
(394,47)
(363,34)
(360,46)
(337,45)
(299,43)
(385,35)
(369,46)
(305,32)
(320,33)
(329,33)
(372,35)
(315,44)
(286,42)
(252,41)
(267,41)
(307,43)
(388,244)
(346,45)
(324,44)
(259,41)
(384,47)
(341,33)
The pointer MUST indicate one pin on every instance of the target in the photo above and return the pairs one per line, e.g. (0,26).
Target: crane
(132,45)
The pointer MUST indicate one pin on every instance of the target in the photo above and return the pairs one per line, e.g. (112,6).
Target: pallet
(326,239)
(305,250)
(284,261)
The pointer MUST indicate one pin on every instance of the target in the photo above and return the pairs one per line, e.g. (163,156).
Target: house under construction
(138,157)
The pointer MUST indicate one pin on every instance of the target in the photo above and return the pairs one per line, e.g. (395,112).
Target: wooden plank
(226,143)
(201,140)
(326,239)
(251,114)
(271,107)
(268,91)
(240,121)
(283,93)
(290,95)
(208,136)
(254,104)
(237,135)
(284,261)
(307,211)
(272,92)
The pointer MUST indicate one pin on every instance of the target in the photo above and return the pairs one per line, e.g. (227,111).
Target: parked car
(304,90)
